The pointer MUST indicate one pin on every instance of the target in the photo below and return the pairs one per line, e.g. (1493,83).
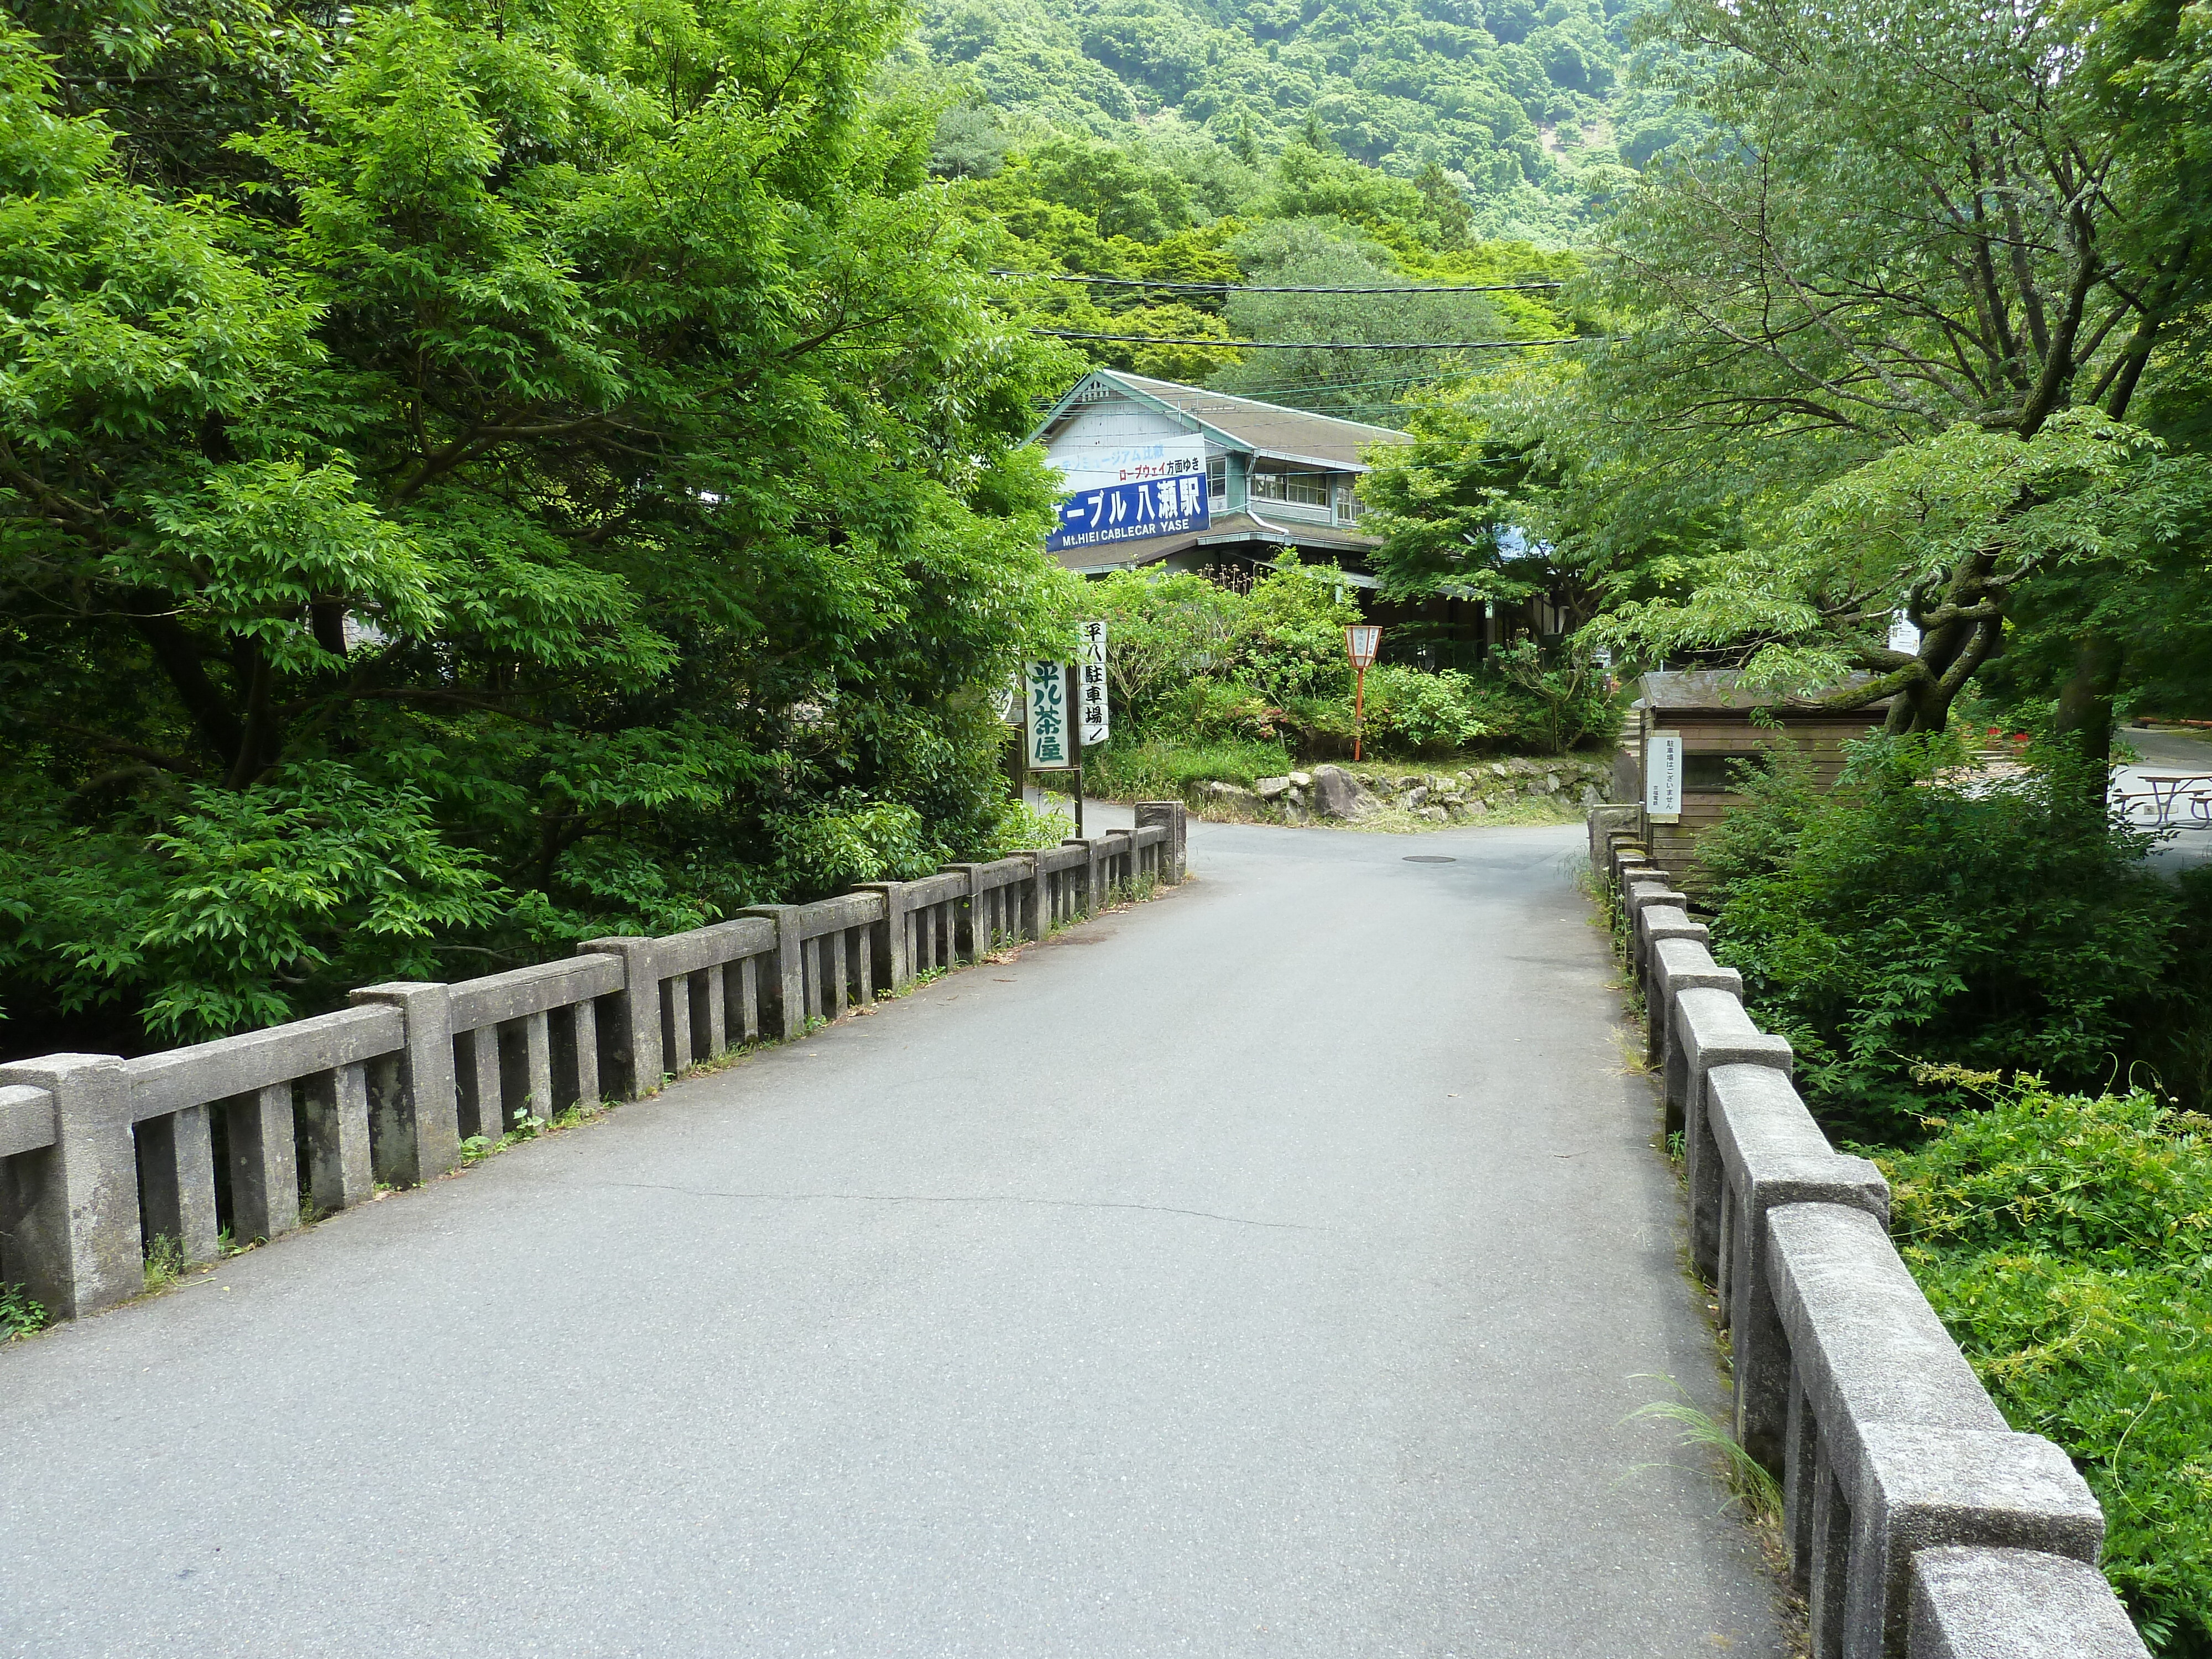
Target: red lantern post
(1359,645)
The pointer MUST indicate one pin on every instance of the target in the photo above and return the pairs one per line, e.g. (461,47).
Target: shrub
(1907,918)
(1215,710)
(1290,639)
(1409,712)
(1162,632)
(1162,768)
(2067,1243)
(1562,697)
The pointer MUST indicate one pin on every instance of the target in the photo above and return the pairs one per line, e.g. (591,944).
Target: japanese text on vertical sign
(1662,777)
(1045,708)
(1090,680)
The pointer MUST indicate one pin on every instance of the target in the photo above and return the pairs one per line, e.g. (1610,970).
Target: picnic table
(2169,790)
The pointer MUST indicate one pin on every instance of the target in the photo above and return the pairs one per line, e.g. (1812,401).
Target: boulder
(1301,780)
(1268,788)
(1338,795)
(1417,796)
(1229,795)
(1436,814)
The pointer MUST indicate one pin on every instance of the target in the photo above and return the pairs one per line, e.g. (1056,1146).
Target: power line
(1359,385)
(1255,288)
(1308,345)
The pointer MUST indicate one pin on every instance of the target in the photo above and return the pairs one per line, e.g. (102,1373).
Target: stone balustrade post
(967,913)
(70,1210)
(892,944)
(1714,1031)
(785,989)
(414,1104)
(1982,1603)
(629,1020)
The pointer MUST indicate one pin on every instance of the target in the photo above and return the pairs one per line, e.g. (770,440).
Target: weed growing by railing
(165,1262)
(20,1314)
(1748,1484)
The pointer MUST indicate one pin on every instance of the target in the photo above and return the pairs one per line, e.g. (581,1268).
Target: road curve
(1265,1271)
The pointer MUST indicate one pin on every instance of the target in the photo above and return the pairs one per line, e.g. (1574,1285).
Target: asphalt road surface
(1267,1271)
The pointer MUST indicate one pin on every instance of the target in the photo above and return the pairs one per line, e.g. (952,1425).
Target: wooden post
(1075,741)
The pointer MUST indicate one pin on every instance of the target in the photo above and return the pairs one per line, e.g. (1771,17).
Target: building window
(1348,505)
(1217,480)
(1306,488)
(1710,773)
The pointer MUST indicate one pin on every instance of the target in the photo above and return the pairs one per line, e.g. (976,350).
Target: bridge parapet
(1919,1525)
(99,1155)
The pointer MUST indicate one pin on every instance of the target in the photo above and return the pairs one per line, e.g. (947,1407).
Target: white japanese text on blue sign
(1130,511)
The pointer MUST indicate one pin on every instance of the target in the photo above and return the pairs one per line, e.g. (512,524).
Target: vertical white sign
(1662,777)
(1044,716)
(1090,684)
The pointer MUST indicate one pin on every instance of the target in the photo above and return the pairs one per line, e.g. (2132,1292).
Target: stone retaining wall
(1919,1525)
(99,1155)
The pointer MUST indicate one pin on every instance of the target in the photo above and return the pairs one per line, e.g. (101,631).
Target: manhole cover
(1428,858)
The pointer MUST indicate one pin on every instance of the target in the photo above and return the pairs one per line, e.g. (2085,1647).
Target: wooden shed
(1690,725)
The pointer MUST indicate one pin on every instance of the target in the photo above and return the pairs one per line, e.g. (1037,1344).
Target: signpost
(1662,777)
(1090,671)
(1044,720)
(1360,645)
(1051,734)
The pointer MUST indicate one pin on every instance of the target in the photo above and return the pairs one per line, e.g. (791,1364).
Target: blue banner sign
(1130,511)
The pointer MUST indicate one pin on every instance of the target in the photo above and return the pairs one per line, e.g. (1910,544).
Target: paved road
(2186,845)
(1265,1270)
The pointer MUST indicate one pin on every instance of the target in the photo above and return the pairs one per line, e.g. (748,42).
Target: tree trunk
(2085,701)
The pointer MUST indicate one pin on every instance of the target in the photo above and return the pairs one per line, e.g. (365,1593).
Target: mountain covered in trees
(1521,107)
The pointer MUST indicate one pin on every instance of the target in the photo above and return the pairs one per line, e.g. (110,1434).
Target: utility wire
(1308,345)
(1254,287)
(1357,386)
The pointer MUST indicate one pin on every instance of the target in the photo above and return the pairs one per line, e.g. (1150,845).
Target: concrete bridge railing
(99,1155)
(1919,1525)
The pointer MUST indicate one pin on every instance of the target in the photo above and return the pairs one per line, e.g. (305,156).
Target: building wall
(1113,422)
(1819,738)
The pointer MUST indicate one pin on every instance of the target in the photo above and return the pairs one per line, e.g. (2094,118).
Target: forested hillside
(1520,106)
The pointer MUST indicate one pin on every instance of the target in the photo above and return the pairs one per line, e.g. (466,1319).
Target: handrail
(388,1090)
(1918,1525)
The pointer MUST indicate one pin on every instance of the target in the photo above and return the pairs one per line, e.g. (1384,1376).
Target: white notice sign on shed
(1662,777)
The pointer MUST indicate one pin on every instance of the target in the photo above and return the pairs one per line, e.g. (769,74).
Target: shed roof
(1722,689)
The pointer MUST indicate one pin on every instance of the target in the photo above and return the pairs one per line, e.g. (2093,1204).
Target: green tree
(594,428)
(1916,238)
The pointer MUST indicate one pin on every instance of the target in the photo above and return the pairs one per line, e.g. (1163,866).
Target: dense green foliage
(1195,664)
(2067,1242)
(1146,212)
(471,482)
(1516,109)
(1947,954)
(1917,328)
(1914,917)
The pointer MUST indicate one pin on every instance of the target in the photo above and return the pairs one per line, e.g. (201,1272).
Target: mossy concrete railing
(100,1155)
(1918,1524)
